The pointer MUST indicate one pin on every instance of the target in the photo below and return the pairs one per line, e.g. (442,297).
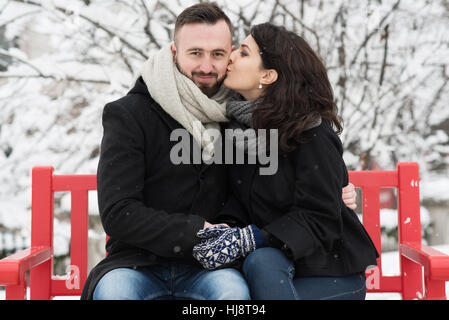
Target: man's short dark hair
(204,12)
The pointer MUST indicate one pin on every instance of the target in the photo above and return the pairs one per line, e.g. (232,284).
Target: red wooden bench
(414,256)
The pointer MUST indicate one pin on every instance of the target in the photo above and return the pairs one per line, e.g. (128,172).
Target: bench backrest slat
(79,237)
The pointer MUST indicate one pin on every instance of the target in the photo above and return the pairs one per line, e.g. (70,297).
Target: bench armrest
(13,267)
(435,263)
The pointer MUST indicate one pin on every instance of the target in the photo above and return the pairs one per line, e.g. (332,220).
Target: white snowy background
(62,61)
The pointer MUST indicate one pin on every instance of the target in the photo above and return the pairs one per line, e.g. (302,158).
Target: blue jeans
(175,281)
(270,276)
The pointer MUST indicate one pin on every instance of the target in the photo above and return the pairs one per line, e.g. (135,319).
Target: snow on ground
(390,267)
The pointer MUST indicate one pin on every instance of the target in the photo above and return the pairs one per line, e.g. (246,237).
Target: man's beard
(208,90)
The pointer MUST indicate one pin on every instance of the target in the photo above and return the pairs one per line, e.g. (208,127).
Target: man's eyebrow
(200,49)
(194,49)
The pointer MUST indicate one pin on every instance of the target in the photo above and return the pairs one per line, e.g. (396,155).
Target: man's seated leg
(201,284)
(132,284)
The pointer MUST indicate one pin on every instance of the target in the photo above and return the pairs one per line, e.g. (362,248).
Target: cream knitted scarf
(182,99)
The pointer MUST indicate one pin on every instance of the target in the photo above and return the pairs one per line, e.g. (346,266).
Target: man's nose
(206,66)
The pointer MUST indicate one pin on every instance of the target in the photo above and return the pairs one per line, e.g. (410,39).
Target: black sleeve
(314,221)
(120,180)
(233,213)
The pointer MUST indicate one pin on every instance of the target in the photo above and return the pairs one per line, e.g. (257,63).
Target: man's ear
(173,51)
(269,76)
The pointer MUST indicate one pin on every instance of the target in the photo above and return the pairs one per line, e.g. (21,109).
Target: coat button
(239,181)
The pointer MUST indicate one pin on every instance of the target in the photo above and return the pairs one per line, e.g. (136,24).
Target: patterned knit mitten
(230,245)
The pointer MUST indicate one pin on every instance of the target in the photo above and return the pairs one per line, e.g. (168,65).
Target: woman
(303,242)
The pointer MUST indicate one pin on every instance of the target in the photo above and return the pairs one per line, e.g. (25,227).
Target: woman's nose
(232,57)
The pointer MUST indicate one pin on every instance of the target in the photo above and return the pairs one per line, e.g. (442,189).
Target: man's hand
(349,196)
(221,246)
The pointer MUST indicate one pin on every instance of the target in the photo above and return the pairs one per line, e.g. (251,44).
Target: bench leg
(435,289)
(40,281)
(412,275)
(16,292)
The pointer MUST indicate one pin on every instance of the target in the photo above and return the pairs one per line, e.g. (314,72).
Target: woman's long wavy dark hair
(301,92)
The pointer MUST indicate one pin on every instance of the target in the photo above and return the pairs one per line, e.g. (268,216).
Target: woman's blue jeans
(174,281)
(270,276)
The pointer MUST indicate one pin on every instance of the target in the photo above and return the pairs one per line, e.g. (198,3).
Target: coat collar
(141,88)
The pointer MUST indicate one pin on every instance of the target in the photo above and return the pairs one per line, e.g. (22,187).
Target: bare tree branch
(438,95)
(342,56)
(313,32)
(45,76)
(41,74)
(29,64)
(147,25)
(373,32)
(384,61)
(273,11)
(18,17)
(94,23)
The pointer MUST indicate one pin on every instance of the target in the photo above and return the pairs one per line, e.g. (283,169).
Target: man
(151,208)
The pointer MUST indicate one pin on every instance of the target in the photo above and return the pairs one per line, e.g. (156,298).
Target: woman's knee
(264,260)
(350,287)
(269,274)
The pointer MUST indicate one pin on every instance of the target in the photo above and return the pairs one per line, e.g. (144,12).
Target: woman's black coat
(150,207)
(301,205)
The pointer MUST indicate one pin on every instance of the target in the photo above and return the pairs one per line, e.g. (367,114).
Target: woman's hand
(350,196)
(210,225)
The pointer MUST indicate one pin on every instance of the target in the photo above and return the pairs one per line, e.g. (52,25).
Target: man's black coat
(150,207)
